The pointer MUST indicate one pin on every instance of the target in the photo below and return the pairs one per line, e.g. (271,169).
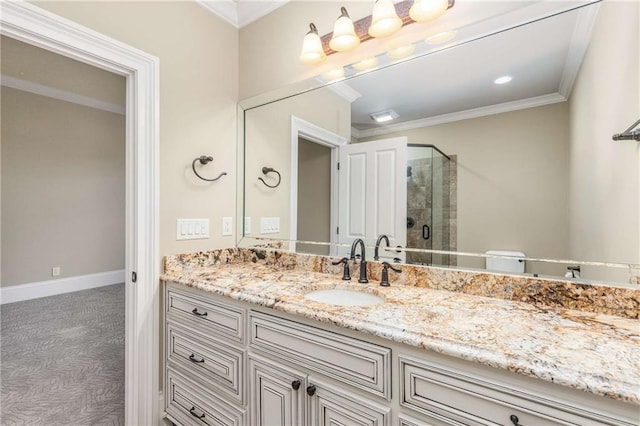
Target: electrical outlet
(55,271)
(227,226)
(247,225)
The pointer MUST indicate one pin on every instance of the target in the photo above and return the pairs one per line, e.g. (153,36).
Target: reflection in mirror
(526,168)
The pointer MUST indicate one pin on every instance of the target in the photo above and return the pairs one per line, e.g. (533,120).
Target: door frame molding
(319,135)
(31,24)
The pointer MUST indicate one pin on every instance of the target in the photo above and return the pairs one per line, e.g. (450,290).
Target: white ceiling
(241,12)
(542,57)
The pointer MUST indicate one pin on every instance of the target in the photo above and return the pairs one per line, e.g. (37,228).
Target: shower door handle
(426,232)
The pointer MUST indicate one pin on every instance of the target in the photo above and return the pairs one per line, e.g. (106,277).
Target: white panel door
(373,193)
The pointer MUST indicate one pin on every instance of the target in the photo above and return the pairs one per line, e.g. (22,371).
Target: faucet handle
(384,280)
(346,275)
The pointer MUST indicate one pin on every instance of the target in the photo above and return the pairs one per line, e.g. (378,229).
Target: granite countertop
(594,352)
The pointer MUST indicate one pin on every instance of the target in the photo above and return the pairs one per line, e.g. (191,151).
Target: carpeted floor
(62,359)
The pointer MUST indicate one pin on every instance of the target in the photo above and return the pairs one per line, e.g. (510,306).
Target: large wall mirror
(465,167)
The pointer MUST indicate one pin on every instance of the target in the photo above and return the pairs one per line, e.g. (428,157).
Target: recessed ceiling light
(384,116)
(503,80)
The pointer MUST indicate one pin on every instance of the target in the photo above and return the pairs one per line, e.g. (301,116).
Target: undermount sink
(344,297)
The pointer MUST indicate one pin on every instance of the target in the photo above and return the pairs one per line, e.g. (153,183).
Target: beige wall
(198,55)
(62,188)
(29,63)
(512,181)
(268,143)
(604,173)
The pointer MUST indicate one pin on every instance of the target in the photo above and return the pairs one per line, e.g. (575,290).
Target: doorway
(320,147)
(30,24)
(314,196)
(63,239)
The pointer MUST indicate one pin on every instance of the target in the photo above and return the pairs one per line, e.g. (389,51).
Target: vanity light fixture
(312,50)
(503,80)
(428,10)
(384,116)
(384,19)
(344,34)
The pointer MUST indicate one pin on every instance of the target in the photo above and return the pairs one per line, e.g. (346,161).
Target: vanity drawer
(189,404)
(192,309)
(348,360)
(212,363)
(449,397)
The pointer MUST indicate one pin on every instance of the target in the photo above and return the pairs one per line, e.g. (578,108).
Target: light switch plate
(269,225)
(192,229)
(247,226)
(227,226)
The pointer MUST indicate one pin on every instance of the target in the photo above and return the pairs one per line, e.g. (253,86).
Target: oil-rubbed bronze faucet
(378,242)
(363,262)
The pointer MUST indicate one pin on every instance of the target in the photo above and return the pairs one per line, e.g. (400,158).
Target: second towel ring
(265,171)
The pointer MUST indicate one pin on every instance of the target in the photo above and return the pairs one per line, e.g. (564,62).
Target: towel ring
(265,171)
(203,159)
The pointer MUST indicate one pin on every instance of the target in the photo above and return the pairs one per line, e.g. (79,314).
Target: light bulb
(428,10)
(344,35)
(312,51)
(384,19)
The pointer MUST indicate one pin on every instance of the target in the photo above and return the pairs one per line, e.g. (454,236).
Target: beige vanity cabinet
(302,375)
(441,395)
(232,363)
(204,359)
(282,396)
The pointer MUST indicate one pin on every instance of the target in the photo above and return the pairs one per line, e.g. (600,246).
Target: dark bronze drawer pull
(296,384)
(195,312)
(193,413)
(192,358)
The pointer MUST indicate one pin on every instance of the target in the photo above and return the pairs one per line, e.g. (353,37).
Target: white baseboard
(18,293)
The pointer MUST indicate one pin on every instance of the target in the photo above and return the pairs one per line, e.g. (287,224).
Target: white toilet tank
(505,265)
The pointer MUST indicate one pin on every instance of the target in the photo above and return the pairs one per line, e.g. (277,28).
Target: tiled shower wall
(431,201)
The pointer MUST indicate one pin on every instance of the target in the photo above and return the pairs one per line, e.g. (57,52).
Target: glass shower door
(428,204)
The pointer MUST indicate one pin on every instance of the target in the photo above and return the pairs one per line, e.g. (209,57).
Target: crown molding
(61,95)
(461,115)
(577,48)
(240,13)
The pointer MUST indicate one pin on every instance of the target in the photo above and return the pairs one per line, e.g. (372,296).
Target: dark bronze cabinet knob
(311,390)
(515,420)
(296,384)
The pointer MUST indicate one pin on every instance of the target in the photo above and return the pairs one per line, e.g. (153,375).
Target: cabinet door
(332,406)
(277,394)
